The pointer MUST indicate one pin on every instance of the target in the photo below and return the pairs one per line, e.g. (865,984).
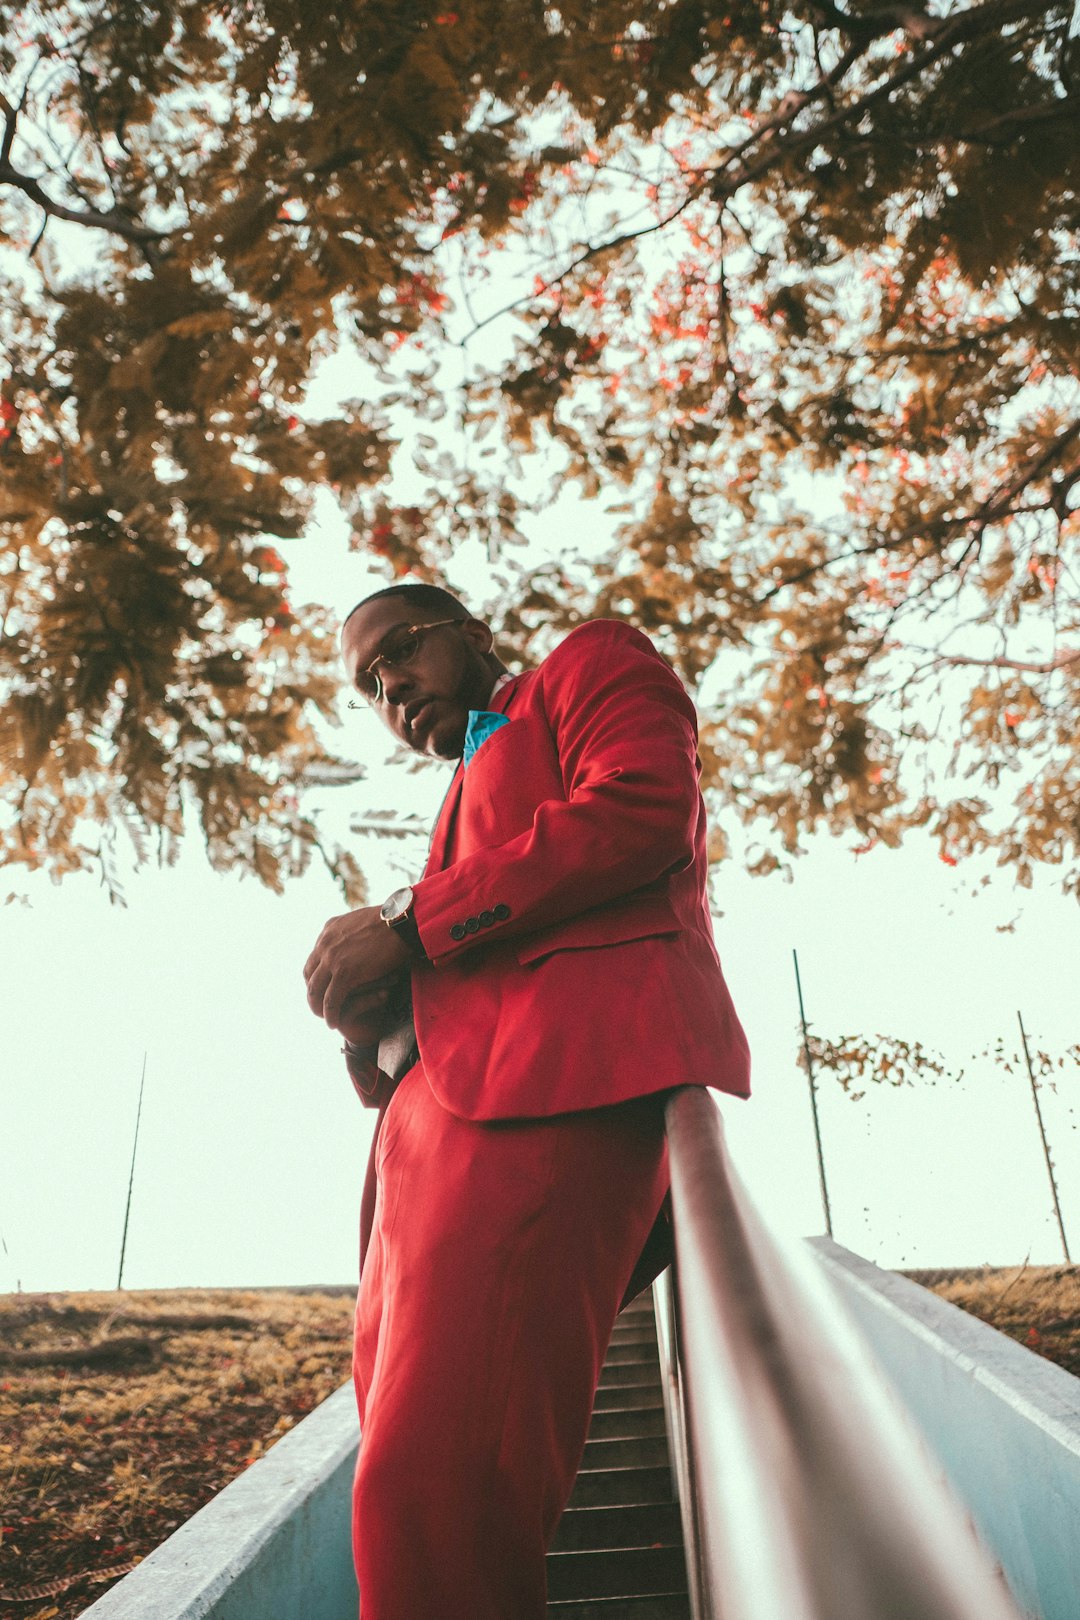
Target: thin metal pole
(7,1251)
(813,1099)
(1046,1145)
(131,1176)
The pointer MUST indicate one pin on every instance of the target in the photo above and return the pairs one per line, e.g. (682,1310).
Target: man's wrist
(398,912)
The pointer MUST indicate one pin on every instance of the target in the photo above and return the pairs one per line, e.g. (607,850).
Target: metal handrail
(682,1486)
(804,1492)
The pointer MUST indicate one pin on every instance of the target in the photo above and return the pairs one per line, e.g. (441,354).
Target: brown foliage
(859,1061)
(761,255)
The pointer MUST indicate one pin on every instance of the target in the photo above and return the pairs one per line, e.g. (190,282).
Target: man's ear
(480,634)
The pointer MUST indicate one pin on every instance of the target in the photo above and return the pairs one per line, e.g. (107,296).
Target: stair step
(650,1452)
(645,1393)
(628,1422)
(609,1487)
(629,1372)
(633,1333)
(618,1551)
(658,1606)
(634,1524)
(616,1572)
(633,1350)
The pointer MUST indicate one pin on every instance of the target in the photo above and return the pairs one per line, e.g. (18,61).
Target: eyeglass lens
(400,651)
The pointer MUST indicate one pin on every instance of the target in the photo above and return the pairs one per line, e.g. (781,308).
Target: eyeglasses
(402,649)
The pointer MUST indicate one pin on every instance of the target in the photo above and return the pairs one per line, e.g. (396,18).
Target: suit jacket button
(458,931)
(472,924)
(486,919)
(500,912)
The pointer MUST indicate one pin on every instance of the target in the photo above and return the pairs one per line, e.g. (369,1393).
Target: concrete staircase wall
(1003,1423)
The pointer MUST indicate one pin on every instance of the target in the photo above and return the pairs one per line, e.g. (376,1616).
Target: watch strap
(406,928)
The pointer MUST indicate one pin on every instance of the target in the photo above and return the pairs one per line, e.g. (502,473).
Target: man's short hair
(421,596)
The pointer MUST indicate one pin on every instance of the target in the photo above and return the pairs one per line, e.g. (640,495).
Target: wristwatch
(397,913)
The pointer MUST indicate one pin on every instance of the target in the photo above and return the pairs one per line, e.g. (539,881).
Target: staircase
(618,1552)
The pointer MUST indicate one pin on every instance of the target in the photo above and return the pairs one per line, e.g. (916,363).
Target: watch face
(397,905)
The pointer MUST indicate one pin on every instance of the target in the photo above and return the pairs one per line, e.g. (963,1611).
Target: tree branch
(1061,660)
(992,510)
(1043,112)
(962,27)
(873,25)
(997,506)
(590,251)
(11,117)
(94,218)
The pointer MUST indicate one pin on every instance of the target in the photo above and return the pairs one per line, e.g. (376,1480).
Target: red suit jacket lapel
(444,822)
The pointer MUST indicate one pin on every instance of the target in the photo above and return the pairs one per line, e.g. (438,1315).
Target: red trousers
(498,1258)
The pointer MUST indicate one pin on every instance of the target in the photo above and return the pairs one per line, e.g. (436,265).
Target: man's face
(425,699)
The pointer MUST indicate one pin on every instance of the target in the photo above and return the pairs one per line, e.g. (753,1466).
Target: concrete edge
(193,1567)
(1035,1388)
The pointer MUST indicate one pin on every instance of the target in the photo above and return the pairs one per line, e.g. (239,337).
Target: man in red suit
(564,978)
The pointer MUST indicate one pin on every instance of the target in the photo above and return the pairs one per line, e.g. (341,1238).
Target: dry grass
(122,1413)
(1037,1305)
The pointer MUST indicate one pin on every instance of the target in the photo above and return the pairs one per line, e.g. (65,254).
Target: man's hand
(353,953)
(368,1015)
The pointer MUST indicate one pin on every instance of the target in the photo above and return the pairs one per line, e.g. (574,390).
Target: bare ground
(122,1413)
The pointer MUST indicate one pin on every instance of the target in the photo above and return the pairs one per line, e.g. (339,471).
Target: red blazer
(563,905)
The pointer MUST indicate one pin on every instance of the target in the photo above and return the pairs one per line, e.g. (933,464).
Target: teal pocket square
(482,722)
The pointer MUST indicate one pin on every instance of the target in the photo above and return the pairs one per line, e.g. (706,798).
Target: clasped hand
(352,972)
